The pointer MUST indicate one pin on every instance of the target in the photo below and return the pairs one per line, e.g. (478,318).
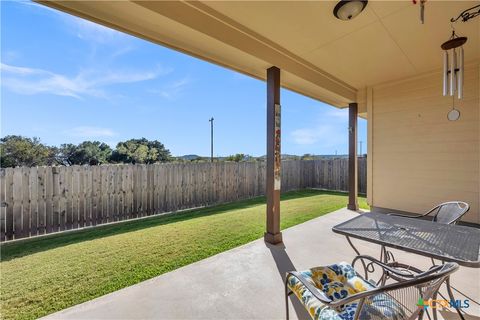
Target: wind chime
(453,61)
(453,71)
(422,10)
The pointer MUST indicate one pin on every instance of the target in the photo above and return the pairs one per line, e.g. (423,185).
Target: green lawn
(41,276)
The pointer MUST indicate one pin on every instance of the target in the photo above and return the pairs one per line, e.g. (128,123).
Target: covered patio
(247,282)
(384,65)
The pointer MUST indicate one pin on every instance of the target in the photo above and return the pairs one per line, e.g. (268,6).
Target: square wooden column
(273,234)
(352,157)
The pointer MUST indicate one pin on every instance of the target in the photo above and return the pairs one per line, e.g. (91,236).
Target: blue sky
(66,80)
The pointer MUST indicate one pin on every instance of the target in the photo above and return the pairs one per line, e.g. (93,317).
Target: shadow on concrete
(472,301)
(452,315)
(284,264)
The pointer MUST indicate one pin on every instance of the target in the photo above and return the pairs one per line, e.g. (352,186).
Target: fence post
(44,200)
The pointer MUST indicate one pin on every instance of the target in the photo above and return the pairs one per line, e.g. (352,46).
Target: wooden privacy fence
(42,200)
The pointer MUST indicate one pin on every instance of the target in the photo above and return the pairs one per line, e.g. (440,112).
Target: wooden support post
(352,157)
(273,234)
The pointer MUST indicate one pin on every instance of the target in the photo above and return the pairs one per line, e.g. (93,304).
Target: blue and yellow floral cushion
(339,281)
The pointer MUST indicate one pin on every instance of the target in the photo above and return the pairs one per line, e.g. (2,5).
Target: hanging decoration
(468,14)
(454,114)
(453,61)
(422,9)
(453,65)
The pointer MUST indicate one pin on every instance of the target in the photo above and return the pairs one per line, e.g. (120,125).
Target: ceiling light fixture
(349,9)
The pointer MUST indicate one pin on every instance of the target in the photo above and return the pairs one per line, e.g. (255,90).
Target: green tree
(307,156)
(66,154)
(87,152)
(141,151)
(21,151)
(236,157)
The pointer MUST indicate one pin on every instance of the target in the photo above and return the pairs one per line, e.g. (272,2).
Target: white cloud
(39,6)
(90,31)
(340,114)
(91,132)
(304,136)
(329,130)
(83,29)
(121,51)
(29,81)
(308,136)
(174,89)
(20,70)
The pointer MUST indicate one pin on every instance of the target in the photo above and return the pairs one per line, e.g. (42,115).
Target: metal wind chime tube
(453,73)
(460,73)
(453,66)
(445,73)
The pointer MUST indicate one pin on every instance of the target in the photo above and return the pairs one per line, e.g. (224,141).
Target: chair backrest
(449,212)
(406,299)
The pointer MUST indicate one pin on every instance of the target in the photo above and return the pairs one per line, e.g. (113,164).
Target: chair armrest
(380,290)
(408,215)
(386,267)
(313,290)
(409,281)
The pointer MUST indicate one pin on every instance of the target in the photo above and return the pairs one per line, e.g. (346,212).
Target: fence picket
(68,198)
(63,188)
(3,205)
(9,227)
(25,202)
(33,199)
(43,200)
(17,203)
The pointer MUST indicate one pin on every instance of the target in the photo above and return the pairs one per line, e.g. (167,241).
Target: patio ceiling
(320,56)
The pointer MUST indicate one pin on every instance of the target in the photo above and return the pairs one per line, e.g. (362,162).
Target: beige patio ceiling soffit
(201,17)
(226,42)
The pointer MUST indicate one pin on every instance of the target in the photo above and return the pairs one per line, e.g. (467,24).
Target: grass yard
(41,276)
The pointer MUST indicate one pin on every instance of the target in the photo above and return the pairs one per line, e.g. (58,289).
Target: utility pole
(211,139)
(361,148)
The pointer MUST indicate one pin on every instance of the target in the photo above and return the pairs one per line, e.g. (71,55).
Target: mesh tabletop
(454,243)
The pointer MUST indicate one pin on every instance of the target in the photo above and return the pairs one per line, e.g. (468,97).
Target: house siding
(417,157)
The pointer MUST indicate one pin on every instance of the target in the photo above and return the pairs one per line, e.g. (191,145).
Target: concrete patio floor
(247,282)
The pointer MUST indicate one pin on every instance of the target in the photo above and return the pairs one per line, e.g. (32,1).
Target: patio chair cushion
(339,281)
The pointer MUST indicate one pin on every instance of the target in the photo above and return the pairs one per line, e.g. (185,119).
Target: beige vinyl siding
(418,157)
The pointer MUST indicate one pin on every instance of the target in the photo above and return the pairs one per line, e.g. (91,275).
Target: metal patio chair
(447,213)
(338,292)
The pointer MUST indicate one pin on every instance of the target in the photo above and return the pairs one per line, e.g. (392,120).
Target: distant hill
(193,157)
(330,156)
(189,157)
(310,156)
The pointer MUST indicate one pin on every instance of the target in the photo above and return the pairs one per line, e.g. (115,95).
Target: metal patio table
(455,243)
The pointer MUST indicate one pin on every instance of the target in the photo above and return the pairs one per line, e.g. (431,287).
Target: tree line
(18,151)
